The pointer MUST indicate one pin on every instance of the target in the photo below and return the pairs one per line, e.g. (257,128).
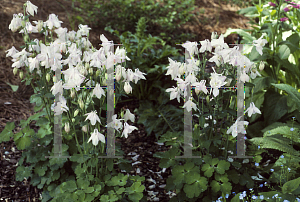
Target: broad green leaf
(284,52)
(69,186)
(291,91)
(13,87)
(23,142)
(7,133)
(291,185)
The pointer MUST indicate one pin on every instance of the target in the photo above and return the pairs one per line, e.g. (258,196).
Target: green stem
(166,121)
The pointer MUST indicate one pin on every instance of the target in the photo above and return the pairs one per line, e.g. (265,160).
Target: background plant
(123,15)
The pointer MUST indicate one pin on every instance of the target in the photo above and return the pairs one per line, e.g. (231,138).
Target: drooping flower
(116,123)
(129,116)
(53,21)
(16,22)
(127,88)
(189,105)
(234,129)
(96,137)
(57,88)
(252,110)
(205,46)
(30,8)
(175,93)
(128,129)
(191,47)
(259,43)
(93,117)
(98,91)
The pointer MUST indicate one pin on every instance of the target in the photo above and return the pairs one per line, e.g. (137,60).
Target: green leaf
(69,186)
(290,186)
(40,170)
(13,87)
(222,166)
(83,183)
(284,52)
(23,142)
(89,190)
(215,186)
(291,91)
(7,133)
(243,33)
(195,189)
(22,172)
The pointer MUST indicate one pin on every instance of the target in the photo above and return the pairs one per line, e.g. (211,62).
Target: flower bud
(15,71)
(91,70)
(81,104)
(98,72)
(87,65)
(21,74)
(72,94)
(118,76)
(67,127)
(40,25)
(207,99)
(73,120)
(261,65)
(197,91)
(23,23)
(122,113)
(54,79)
(26,38)
(76,112)
(48,77)
(84,128)
(228,82)
(104,80)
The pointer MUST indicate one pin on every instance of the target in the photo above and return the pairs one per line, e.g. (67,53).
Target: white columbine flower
(116,123)
(53,21)
(127,87)
(189,105)
(98,91)
(96,137)
(261,65)
(175,93)
(16,22)
(191,47)
(252,110)
(57,88)
(30,8)
(129,116)
(128,129)
(93,117)
(234,128)
(200,86)
(259,43)
(205,46)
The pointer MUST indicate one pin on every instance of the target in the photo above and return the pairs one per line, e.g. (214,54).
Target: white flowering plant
(78,72)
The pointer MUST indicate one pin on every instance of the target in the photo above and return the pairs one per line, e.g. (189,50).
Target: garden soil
(15,106)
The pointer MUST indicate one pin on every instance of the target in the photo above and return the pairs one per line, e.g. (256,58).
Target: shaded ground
(15,106)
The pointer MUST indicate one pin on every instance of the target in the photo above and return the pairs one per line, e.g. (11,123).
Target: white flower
(189,105)
(191,47)
(128,129)
(30,8)
(200,86)
(138,75)
(84,29)
(116,123)
(11,52)
(106,44)
(53,21)
(129,116)
(93,117)
(127,88)
(57,88)
(96,137)
(73,78)
(15,23)
(205,46)
(174,93)
(98,91)
(252,110)
(234,128)
(173,68)
(244,77)
(216,82)
(121,55)
(259,43)
(30,29)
